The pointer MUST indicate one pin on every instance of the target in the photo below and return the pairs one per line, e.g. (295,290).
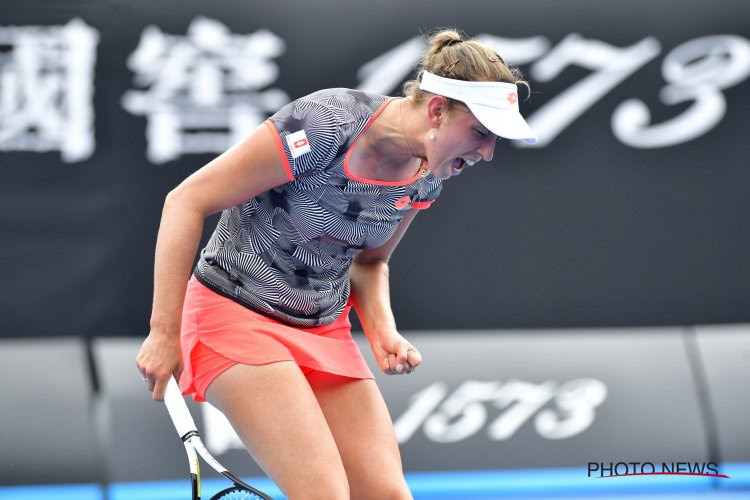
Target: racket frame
(188,432)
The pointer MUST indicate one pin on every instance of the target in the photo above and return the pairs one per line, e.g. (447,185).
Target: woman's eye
(480,133)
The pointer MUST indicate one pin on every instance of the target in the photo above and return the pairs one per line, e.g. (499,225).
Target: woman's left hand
(394,354)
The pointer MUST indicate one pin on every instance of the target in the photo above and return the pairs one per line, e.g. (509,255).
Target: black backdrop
(586,230)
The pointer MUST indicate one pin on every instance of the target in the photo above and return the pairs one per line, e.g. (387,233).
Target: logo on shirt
(298,144)
(402,203)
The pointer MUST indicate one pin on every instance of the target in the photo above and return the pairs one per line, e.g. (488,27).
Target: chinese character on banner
(46,89)
(202,91)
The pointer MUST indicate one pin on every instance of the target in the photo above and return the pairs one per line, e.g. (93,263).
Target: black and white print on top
(286,253)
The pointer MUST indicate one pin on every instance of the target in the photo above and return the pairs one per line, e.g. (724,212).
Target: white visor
(495,104)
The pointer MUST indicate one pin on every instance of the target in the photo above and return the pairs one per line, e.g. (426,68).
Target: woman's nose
(487,148)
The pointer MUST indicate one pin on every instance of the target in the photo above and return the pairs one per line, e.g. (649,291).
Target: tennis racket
(187,431)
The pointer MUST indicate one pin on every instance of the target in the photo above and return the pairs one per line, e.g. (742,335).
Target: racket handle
(178,409)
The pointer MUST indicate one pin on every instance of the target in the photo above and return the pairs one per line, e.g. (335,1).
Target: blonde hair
(450,55)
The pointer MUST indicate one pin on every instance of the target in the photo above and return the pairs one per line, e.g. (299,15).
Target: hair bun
(442,39)
(452,54)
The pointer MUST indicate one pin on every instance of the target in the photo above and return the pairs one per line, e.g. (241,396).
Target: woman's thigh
(275,413)
(361,425)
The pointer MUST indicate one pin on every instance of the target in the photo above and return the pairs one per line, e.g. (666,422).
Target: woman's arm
(371,297)
(244,171)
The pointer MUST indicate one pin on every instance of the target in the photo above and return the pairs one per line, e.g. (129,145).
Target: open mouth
(460,163)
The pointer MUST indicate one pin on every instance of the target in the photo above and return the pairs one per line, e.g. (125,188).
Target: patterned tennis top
(286,253)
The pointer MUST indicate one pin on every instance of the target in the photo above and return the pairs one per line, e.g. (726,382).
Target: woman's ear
(437,107)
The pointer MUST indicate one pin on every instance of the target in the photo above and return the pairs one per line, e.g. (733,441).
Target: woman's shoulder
(333,115)
(344,102)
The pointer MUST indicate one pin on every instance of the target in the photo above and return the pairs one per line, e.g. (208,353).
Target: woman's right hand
(160,357)
(249,168)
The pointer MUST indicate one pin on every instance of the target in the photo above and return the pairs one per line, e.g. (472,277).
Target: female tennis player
(313,203)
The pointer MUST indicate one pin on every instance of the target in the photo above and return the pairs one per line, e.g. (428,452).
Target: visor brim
(505,123)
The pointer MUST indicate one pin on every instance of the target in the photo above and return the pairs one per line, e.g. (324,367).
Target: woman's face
(460,140)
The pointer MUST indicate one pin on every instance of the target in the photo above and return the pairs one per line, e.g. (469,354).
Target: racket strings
(236,493)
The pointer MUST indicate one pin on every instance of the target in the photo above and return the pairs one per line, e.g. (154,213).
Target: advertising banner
(500,400)
(50,420)
(631,209)
(725,359)
(582,400)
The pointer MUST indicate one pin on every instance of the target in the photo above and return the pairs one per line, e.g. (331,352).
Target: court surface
(539,484)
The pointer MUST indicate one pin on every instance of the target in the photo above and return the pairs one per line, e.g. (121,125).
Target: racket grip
(178,409)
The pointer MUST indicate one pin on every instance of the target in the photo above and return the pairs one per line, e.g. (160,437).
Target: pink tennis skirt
(218,333)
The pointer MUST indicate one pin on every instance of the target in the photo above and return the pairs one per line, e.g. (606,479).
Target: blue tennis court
(540,484)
